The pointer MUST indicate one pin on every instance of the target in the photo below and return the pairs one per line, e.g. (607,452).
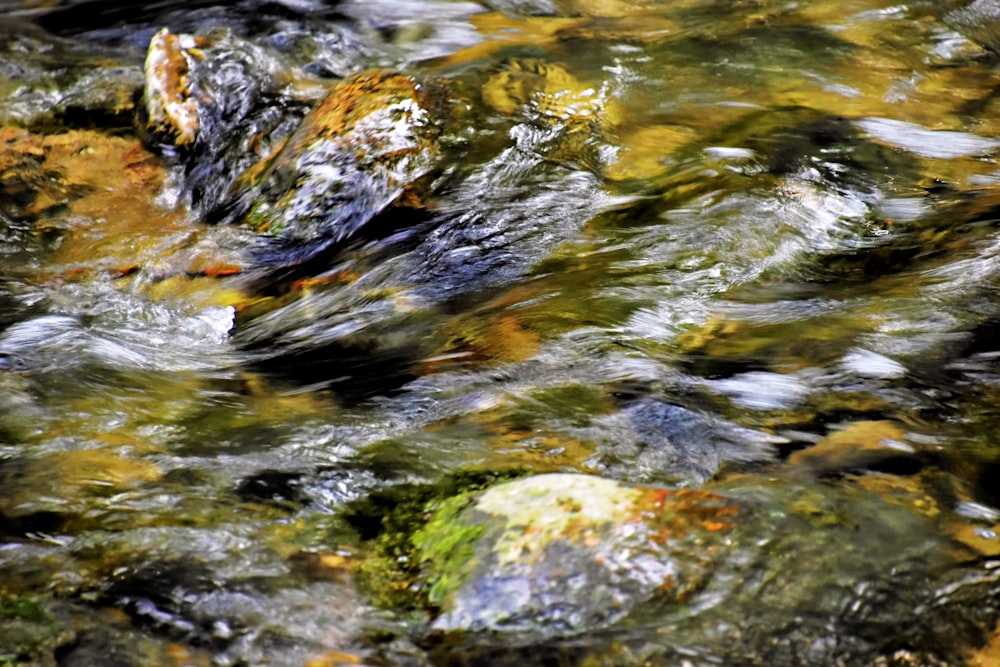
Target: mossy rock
(754,572)
(561,553)
(27,630)
(360,151)
(388,523)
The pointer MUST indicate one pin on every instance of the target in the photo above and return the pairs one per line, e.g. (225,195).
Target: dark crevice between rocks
(155,596)
(392,232)
(352,374)
(99,647)
(273,486)
(987,488)
(26,525)
(901,464)
(113,122)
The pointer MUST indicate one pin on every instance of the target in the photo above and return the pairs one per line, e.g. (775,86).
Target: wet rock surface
(363,149)
(566,554)
(725,576)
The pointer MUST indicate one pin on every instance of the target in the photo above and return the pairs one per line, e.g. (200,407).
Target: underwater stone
(756,574)
(561,553)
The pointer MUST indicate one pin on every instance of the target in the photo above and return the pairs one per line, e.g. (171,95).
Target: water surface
(778,217)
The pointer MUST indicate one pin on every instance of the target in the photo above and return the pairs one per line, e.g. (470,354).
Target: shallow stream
(745,246)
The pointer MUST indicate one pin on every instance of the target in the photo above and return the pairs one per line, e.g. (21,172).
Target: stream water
(696,244)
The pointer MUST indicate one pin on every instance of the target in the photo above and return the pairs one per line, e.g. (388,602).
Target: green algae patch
(25,609)
(447,545)
(26,628)
(404,526)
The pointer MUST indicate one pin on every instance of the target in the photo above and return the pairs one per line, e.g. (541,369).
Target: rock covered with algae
(223,109)
(756,574)
(569,552)
(359,152)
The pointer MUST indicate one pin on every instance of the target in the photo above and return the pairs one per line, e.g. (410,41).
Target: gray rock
(980,21)
(780,574)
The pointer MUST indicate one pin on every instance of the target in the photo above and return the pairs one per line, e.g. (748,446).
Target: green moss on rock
(26,630)
(24,608)
(447,545)
(392,524)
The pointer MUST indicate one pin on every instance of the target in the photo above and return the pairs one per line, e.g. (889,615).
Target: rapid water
(779,217)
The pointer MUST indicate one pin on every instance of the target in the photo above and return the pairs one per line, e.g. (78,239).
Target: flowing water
(689,243)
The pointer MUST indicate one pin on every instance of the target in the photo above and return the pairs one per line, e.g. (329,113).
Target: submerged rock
(359,152)
(979,20)
(781,574)
(559,554)
(171,109)
(652,440)
(214,105)
(223,109)
(47,82)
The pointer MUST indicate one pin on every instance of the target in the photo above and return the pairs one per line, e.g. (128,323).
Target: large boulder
(781,573)
(359,152)
(562,553)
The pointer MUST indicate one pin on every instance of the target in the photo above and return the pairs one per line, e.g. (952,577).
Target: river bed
(745,248)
